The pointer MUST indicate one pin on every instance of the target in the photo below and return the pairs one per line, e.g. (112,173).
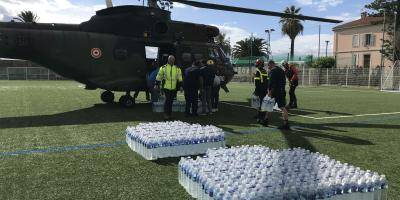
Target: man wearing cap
(276,90)
(208,75)
(261,88)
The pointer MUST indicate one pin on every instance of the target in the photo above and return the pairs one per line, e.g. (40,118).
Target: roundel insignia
(96,53)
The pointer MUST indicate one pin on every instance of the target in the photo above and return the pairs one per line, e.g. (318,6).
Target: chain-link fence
(28,73)
(390,78)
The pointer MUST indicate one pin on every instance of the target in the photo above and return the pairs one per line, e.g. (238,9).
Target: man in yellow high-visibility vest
(261,88)
(170,77)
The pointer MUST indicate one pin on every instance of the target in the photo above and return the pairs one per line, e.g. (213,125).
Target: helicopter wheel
(127,101)
(107,97)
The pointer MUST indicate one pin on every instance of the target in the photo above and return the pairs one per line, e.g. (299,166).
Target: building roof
(364,21)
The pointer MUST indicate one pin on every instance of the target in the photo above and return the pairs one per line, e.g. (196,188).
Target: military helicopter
(117,48)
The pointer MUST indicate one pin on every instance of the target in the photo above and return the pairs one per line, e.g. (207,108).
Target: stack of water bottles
(255,102)
(267,104)
(177,106)
(158,106)
(173,139)
(257,172)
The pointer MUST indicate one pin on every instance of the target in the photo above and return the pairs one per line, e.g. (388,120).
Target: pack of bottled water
(173,139)
(257,172)
(177,106)
(255,102)
(267,104)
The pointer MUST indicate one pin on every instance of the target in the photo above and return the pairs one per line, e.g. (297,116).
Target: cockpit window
(214,53)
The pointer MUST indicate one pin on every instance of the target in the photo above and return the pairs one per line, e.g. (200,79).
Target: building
(358,43)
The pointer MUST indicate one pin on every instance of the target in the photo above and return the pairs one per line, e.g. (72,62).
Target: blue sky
(236,25)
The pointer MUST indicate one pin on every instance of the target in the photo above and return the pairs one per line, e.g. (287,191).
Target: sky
(236,25)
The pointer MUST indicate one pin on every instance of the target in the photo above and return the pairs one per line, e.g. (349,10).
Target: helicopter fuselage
(110,50)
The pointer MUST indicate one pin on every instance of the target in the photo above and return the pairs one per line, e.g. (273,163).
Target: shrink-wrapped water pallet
(173,139)
(257,172)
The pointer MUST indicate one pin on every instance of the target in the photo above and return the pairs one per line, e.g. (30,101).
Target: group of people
(272,82)
(202,81)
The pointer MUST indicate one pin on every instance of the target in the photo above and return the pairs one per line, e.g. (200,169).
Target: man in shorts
(276,90)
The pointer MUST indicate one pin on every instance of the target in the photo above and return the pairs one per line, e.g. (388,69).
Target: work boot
(284,127)
(167,117)
(265,122)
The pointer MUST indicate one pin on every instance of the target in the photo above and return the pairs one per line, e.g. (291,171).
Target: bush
(324,62)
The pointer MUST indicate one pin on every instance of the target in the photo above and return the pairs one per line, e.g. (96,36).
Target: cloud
(304,45)
(57,11)
(179,5)
(235,34)
(321,5)
(345,17)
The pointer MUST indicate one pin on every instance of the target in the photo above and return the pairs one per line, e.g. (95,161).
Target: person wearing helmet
(261,88)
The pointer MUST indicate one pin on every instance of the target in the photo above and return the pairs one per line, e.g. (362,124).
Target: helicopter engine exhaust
(109,3)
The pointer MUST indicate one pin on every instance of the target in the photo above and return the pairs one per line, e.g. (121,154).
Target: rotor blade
(253,11)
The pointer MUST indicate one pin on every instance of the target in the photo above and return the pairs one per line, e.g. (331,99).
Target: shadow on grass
(314,111)
(167,161)
(230,115)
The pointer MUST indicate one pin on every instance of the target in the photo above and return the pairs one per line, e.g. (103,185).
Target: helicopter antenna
(109,3)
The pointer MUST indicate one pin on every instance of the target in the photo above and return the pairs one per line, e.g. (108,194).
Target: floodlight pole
(395,46)
(251,53)
(326,50)
(383,42)
(269,31)
(319,39)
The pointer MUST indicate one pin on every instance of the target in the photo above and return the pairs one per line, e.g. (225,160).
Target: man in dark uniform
(208,74)
(192,82)
(276,90)
(261,88)
(291,74)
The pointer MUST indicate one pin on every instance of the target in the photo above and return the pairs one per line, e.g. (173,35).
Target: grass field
(58,141)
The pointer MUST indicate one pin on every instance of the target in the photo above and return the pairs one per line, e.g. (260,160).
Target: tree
(243,48)
(324,62)
(27,17)
(224,42)
(377,8)
(291,27)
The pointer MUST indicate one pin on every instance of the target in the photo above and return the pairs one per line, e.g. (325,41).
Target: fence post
(309,77)
(302,77)
(327,76)
(347,75)
(48,74)
(369,76)
(8,74)
(26,73)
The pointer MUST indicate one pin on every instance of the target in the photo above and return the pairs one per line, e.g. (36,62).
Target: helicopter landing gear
(127,100)
(107,96)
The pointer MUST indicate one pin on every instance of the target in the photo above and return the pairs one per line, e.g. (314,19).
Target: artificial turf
(41,123)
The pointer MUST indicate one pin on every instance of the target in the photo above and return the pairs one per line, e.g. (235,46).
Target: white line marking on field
(321,118)
(360,115)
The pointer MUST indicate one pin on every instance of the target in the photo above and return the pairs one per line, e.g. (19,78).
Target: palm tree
(291,27)
(27,17)
(247,47)
(224,42)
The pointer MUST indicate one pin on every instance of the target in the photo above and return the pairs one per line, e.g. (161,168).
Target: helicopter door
(152,53)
